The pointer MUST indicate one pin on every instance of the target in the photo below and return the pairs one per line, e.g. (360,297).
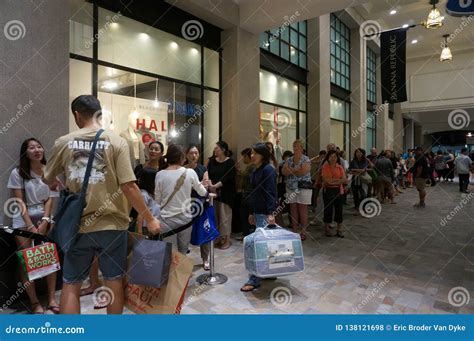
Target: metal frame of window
(340,53)
(283,37)
(372,130)
(371,76)
(346,121)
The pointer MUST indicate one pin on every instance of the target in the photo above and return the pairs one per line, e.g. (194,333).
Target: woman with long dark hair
(36,200)
(263,197)
(155,158)
(222,173)
(192,162)
(173,186)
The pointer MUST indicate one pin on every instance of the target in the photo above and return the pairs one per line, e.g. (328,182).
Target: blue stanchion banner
(238,327)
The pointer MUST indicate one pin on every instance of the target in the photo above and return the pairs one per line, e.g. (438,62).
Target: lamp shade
(435,19)
(446,54)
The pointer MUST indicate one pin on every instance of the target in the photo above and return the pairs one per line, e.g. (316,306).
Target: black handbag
(70,207)
(305,184)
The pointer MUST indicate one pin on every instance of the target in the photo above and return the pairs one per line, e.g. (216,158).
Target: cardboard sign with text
(39,261)
(166,300)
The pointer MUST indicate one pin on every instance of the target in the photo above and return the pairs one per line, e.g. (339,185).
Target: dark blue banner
(393,65)
(460,8)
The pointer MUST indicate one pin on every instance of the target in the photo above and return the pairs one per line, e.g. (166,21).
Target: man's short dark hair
(246,152)
(463,150)
(86,105)
(419,149)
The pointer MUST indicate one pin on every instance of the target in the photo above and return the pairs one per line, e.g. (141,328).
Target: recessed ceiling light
(405,26)
(109,85)
(174,45)
(144,36)
(393,11)
(194,51)
(414,41)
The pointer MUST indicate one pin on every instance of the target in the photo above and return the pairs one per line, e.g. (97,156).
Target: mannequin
(274,136)
(135,144)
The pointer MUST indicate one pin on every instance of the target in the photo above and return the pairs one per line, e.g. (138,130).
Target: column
(319,84)
(418,135)
(240,89)
(410,134)
(398,129)
(358,90)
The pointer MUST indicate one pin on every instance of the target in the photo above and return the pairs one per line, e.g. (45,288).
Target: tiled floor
(404,260)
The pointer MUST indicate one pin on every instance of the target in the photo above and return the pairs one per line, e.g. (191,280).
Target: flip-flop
(53,308)
(87,291)
(253,287)
(33,305)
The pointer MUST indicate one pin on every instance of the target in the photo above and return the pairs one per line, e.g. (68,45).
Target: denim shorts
(109,246)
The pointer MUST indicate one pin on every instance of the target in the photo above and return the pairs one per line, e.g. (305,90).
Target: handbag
(150,263)
(305,184)
(70,208)
(205,227)
(365,178)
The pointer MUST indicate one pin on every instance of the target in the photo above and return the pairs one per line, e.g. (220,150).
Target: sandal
(53,308)
(88,291)
(303,236)
(249,287)
(339,234)
(36,304)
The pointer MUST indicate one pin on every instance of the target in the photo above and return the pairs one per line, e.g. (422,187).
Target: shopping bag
(205,227)
(39,261)
(143,299)
(150,263)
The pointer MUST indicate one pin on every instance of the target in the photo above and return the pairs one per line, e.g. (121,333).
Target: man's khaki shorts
(420,183)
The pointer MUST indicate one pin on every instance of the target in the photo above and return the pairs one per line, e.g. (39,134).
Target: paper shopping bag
(39,261)
(143,299)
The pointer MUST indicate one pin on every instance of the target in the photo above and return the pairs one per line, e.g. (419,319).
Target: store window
(152,85)
(282,111)
(340,53)
(287,42)
(340,123)
(371,76)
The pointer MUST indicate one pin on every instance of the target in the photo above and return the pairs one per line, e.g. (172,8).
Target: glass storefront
(340,123)
(282,111)
(152,85)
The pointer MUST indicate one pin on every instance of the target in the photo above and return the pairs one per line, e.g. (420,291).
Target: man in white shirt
(463,165)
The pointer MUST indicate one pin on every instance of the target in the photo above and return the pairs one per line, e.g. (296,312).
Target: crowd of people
(153,194)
